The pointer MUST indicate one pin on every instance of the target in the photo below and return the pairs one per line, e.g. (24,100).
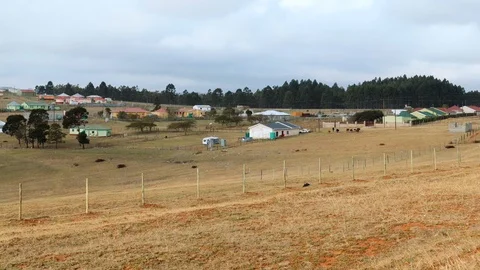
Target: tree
(370,115)
(37,126)
(141,126)
(108,112)
(15,126)
(83,139)
(49,89)
(75,117)
(183,125)
(55,134)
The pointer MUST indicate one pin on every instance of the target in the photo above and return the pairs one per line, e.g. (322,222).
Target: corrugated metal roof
(281,125)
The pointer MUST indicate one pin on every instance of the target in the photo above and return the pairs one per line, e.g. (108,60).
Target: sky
(205,44)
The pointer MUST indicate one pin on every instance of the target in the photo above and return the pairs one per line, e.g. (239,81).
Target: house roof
(95,127)
(272,113)
(13,103)
(437,111)
(473,107)
(202,106)
(93,96)
(405,114)
(427,114)
(417,109)
(32,103)
(281,125)
(454,108)
(63,95)
(161,110)
(77,95)
(131,110)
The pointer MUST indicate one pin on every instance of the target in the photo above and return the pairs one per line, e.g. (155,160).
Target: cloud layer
(203,44)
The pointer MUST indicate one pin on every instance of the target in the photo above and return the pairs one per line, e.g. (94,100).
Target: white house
(273,130)
(274,115)
(1,126)
(205,108)
(471,109)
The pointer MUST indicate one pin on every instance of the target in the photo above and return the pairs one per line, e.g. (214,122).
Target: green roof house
(92,131)
(28,106)
(13,106)
(434,111)
(422,114)
(403,117)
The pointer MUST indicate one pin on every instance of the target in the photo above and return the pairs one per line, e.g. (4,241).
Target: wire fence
(185,184)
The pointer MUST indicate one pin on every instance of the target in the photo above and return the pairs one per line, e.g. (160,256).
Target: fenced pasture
(381,198)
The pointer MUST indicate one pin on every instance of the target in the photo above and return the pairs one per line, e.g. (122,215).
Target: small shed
(458,127)
(92,131)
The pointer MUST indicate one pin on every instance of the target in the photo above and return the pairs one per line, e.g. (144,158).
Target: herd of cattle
(347,130)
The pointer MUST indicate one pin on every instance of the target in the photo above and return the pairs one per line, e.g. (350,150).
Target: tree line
(416,91)
(36,131)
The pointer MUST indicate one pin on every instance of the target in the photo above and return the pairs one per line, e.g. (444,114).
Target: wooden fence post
(86,195)
(434,159)
(353,168)
(143,192)
(261,175)
(198,183)
(384,164)
(458,154)
(284,174)
(319,170)
(411,161)
(20,201)
(243,176)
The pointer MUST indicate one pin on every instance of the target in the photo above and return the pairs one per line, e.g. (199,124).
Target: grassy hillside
(424,219)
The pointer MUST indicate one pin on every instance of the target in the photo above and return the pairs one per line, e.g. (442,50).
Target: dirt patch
(406,227)
(373,246)
(35,221)
(152,205)
(360,181)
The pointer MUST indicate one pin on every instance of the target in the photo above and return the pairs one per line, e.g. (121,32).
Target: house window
(288,132)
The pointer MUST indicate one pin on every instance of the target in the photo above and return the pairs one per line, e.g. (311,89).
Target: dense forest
(417,91)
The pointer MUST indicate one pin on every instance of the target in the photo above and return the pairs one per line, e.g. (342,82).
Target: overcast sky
(203,44)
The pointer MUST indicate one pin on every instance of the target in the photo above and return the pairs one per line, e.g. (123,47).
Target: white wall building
(273,130)
(205,108)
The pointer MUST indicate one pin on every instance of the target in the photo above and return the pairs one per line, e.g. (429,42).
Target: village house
(205,108)
(403,117)
(14,106)
(273,130)
(92,131)
(26,93)
(161,113)
(28,106)
(471,109)
(273,115)
(131,112)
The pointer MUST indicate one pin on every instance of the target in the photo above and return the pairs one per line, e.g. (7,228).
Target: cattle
(306,185)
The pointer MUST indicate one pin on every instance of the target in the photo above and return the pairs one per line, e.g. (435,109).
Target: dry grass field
(424,219)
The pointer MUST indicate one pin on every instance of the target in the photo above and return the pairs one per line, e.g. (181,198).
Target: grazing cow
(338,130)
(333,128)
(306,185)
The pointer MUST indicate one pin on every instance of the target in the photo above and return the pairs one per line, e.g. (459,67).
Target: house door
(283,134)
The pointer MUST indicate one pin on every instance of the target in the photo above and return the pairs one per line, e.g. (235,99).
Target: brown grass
(422,220)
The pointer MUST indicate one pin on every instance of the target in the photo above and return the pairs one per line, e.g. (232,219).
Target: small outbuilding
(273,115)
(459,127)
(14,106)
(1,125)
(273,130)
(92,131)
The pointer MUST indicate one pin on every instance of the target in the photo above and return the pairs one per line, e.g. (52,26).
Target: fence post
(458,154)
(384,164)
(319,170)
(261,175)
(411,161)
(198,183)
(353,168)
(86,195)
(284,174)
(143,192)
(243,178)
(20,200)
(434,159)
